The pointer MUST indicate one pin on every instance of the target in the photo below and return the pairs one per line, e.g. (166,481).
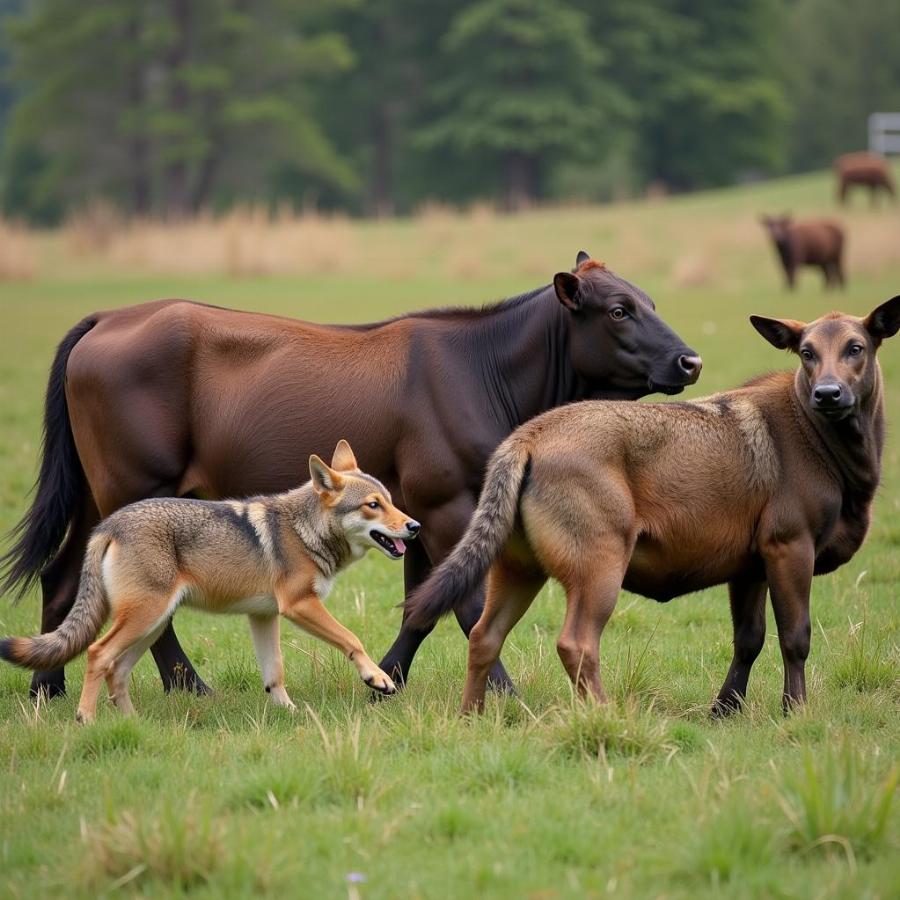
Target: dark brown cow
(177,399)
(864,169)
(761,488)
(812,242)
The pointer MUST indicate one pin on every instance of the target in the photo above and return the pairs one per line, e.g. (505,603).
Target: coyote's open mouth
(393,546)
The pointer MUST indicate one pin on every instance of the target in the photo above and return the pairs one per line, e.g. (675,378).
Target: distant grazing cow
(815,242)
(866,169)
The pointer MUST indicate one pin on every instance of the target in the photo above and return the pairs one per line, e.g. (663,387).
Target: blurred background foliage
(169,107)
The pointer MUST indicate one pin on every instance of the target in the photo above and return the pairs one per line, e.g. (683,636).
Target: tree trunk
(520,180)
(381,184)
(205,180)
(177,172)
(138,144)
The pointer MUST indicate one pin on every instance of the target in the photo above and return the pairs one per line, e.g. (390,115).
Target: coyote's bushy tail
(492,523)
(81,625)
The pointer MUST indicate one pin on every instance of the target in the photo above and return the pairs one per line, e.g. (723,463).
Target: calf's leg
(511,590)
(748,615)
(591,595)
(789,571)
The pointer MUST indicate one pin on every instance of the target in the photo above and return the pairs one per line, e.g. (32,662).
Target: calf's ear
(324,479)
(343,459)
(884,321)
(583,257)
(568,289)
(781,333)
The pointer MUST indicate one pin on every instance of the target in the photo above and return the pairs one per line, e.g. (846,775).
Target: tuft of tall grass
(835,801)
(634,677)
(181,847)
(119,735)
(731,849)
(274,787)
(238,673)
(593,730)
(496,765)
(351,768)
(865,665)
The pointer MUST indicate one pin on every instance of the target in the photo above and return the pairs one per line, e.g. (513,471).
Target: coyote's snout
(264,557)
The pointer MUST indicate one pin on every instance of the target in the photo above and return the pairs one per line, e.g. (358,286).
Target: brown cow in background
(813,242)
(865,169)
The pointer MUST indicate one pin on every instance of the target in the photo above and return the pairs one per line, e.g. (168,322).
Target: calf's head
(838,371)
(617,341)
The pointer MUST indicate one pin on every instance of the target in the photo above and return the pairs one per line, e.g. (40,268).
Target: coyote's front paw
(380,682)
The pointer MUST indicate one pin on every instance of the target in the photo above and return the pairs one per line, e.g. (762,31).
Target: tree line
(168,107)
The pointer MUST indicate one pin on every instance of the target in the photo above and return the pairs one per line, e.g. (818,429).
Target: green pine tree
(522,90)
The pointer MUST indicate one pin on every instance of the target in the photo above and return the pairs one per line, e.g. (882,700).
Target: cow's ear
(324,479)
(781,333)
(884,321)
(583,257)
(568,289)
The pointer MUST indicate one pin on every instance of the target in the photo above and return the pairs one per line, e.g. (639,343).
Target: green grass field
(542,797)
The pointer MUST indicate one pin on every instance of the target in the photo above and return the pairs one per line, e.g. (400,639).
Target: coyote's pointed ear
(568,288)
(343,459)
(884,321)
(324,479)
(781,333)
(583,257)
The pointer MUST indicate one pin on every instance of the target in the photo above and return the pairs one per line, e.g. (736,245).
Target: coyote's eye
(373,504)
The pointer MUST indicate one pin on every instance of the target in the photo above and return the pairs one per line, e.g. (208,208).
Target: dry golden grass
(696,241)
(18,252)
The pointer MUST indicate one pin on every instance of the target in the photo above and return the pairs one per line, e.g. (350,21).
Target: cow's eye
(618,313)
(855,349)
(807,354)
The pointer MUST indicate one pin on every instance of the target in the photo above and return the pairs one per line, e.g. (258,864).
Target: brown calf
(863,169)
(760,488)
(814,242)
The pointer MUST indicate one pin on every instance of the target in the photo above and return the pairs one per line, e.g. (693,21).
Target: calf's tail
(492,523)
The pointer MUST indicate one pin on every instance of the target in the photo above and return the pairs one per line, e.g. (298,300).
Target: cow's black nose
(413,527)
(827,394)
(691,366)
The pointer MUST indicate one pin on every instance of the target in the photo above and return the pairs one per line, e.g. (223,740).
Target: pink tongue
(401,547)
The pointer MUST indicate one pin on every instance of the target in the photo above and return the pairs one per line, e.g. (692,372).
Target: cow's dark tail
(491,525)
(60,485)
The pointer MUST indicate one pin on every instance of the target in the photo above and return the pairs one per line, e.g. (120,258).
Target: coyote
(263,557)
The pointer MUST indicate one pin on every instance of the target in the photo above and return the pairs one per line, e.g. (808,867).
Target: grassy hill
(542,797)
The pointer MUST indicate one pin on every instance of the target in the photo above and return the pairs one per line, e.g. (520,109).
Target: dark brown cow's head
(617,339)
